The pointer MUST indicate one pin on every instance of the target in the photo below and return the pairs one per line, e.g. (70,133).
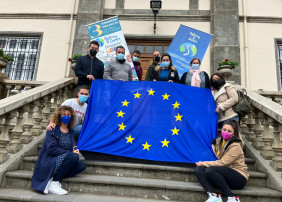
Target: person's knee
(73,157)
(199,169)
(210,170)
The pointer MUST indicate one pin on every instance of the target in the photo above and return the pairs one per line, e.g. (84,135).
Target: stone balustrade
(11,87)
(262,127)
(31,111)
(275,96)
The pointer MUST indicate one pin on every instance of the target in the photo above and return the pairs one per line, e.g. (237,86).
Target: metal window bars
(24,50)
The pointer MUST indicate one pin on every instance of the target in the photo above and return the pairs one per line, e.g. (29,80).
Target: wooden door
(146,48)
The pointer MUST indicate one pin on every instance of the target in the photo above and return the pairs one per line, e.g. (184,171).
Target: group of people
(59,158)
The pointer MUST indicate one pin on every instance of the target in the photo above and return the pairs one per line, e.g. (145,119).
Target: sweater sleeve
(129,73)
(176,80)
(108,72)
(232,153)
(78,69)
(52,144)
(101,73)
(232,100)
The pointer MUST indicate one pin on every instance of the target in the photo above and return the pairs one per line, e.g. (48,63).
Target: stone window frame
(278,57)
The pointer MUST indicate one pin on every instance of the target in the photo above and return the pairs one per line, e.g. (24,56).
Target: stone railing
(11,87)
(262,129)
(275,96)
(24,116)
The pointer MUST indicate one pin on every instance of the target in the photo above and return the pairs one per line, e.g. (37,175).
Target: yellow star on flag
(165,96)
(146,146)
(175,131)
(121,127)
(121,113)
(137,95)
(129,139)
(165,143)
(151,92)
(178,117)
(125,103)
(176,105)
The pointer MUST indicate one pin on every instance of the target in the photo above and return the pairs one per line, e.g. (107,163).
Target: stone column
(89,11)
(225,27)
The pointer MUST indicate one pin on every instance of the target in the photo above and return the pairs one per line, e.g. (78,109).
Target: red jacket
(138,69)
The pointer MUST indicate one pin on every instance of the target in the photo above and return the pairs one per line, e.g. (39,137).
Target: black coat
(84,66)
(207,81)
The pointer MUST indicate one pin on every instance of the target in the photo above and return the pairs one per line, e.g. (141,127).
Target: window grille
(24,50)
(280,61)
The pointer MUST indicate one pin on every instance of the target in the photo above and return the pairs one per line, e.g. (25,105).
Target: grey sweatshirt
(116,71)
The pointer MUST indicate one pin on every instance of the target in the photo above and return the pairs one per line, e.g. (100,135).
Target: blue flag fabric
(158,121)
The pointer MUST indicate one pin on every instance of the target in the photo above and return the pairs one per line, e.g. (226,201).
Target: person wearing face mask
(230,170)
(166,71)
(80,106)
(136,63)
(58,156)
(196,77)
(118,69)
(151,69)
(225,96)
(89,67)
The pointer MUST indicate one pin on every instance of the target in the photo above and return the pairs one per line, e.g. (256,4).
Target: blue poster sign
(188,43)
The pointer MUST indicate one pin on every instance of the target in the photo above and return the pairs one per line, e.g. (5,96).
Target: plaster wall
(166,4)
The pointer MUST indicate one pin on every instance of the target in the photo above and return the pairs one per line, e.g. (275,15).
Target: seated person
(230,170)
(58,157)
(165,71)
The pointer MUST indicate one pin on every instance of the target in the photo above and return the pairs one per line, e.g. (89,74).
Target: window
(24,50)
(279,45)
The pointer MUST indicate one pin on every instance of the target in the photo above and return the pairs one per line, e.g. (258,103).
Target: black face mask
(218,83)
(157,58)
(93,52)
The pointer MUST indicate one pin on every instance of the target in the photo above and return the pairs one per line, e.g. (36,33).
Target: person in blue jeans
(80,106)
(58,158)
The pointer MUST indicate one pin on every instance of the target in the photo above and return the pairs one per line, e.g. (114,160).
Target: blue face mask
(120,56)
(82,98)
(65,119)
(135,59)
(165,64)
(195,66)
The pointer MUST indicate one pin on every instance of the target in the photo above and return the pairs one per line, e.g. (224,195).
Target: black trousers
(70,167)
(220,177)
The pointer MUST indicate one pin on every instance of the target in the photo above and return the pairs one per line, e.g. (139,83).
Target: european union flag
(158,121)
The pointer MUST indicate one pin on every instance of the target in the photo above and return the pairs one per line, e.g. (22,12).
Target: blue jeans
(235,118)
(77,129)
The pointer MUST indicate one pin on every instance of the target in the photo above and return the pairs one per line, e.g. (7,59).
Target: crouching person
(230,170)
(58,157)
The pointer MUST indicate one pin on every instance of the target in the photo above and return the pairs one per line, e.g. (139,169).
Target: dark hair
(168,55)
(56,117)
(137,52)
(193,60)
(212,82)
(234,125)
(84,87)
(120,47)
(95,43)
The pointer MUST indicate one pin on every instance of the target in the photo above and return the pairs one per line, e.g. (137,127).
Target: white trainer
(55,188)
(47,186)
(233,199)
(213,198)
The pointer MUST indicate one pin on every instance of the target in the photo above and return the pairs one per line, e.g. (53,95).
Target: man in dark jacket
(89,67)
(151,69)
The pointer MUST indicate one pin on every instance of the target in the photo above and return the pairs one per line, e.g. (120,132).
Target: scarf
(196,81)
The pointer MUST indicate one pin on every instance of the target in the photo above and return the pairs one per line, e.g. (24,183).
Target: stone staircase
(123,181)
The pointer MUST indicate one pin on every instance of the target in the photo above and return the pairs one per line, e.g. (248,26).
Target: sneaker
(47,186)
(81,157)
(233,199)
(213,198)
(55,188)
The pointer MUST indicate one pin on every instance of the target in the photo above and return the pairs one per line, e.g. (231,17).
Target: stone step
(12,194)
(123,169)
(141,187)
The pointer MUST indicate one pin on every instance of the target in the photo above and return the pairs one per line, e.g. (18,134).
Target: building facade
(247,31)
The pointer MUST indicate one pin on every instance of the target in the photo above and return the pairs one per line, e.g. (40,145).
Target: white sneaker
(47,186)
(55,188)
(213,198)
(233,199)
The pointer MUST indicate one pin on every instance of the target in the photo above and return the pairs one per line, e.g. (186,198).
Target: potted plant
(225,68)
(4,59)
(74,59)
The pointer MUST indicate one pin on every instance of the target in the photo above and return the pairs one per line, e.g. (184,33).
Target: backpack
(243,106)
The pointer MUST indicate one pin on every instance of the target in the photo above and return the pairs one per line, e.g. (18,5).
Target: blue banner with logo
(109,34)
(188,43)
(158,121)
